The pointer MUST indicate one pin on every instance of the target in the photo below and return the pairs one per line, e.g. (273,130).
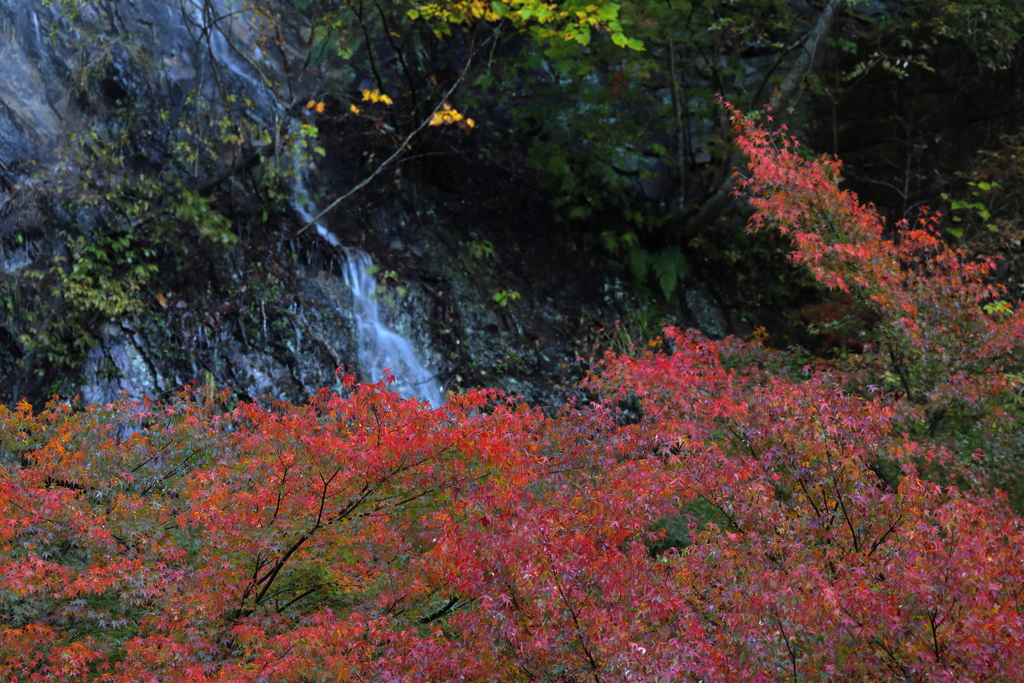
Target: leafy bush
(370,538)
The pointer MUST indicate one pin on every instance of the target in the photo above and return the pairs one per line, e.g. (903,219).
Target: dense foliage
(747,518)
(605,111)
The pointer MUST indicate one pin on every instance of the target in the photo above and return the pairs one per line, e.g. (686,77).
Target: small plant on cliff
(503,297)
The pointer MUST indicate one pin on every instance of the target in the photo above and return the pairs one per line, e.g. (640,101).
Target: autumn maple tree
(761,519)
(945,341)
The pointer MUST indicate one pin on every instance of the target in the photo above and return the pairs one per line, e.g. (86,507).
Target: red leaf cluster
(369,538)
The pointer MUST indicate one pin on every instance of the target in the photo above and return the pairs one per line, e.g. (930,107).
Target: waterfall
(221,50)
(217,23)
(379,347)
(301,202)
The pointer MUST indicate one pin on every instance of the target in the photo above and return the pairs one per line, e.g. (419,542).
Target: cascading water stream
(301,202)
(216,21)
(378,347)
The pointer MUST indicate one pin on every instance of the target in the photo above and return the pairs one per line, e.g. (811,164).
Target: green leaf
(609,241)
(669,268)
(996,308)
(639,262)
(608,12)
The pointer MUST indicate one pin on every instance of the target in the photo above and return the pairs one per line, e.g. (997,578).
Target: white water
(218,42)
(380,348)
(220,24)
(303,205)
(301,202)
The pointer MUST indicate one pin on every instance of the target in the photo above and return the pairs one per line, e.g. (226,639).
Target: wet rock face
(276,340)
(138,51)
(259,328)
(270,314)
(707,313)
(32,109)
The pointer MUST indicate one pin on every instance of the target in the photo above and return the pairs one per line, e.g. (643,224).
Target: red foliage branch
(367,538)
(938,336)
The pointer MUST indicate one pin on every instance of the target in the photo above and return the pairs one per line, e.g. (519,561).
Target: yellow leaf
(375,96)
(354,109)
(310,104)
(445,116)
